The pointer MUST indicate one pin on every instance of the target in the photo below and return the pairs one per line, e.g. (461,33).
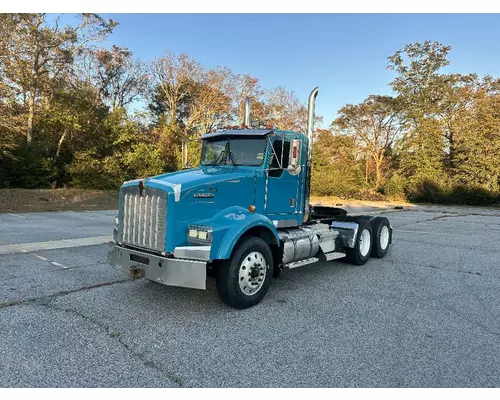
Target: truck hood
(183,181)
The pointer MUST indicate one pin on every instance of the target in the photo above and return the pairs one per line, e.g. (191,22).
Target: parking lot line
(53,244)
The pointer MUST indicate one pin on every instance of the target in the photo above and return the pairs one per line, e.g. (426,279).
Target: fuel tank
(306,242)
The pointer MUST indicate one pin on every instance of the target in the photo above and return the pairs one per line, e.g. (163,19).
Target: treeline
(73,113)
(437,139)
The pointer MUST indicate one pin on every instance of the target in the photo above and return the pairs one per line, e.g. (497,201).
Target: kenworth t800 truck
(242,216)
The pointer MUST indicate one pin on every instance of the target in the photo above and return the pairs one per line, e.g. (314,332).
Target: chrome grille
(143,220)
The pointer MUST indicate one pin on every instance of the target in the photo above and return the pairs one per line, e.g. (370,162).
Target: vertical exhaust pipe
(310,131)
(247,112)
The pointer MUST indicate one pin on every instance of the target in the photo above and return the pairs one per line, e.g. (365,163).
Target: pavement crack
(58,294)
(455,270)
(115,335)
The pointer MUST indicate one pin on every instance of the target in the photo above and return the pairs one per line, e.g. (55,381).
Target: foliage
(73,113)
(394,187)
(335,170)
(375,124)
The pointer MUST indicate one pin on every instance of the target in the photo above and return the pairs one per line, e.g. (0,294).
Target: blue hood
(200,177)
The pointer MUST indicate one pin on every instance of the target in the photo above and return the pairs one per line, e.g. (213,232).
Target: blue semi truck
(242,216)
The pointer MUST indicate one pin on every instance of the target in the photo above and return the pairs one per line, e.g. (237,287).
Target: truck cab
(242,215)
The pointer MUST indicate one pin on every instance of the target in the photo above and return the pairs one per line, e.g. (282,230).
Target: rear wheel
(243,280)
(360,254)
(381,237)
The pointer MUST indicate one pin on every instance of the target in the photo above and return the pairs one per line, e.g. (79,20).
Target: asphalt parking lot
(426,315)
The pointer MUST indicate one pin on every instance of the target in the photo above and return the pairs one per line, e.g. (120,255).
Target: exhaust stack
(310,130)
(247,112)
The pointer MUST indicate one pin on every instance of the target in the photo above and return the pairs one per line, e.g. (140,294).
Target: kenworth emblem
(203,195)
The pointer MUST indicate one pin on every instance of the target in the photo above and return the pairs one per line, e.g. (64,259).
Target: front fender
(230,225)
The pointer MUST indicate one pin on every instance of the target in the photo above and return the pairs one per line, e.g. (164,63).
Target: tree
(172,78)
(188,98)
(119,78)
(284,110)
(422,92)
(375,123)
(335,168)
(244,86)
(477,130)
(34,52)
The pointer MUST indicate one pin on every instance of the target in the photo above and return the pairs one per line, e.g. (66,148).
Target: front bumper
(190,273)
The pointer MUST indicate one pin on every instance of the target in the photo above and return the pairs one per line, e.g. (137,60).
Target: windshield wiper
(226,152)
(232,158)
(219,157)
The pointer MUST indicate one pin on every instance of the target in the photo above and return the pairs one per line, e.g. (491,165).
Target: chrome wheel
(364,242)
(252,273)
(384,237)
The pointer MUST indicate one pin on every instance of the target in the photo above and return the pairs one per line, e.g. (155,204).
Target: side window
(280,158)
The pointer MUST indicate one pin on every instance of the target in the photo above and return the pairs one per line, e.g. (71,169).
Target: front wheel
(243,280)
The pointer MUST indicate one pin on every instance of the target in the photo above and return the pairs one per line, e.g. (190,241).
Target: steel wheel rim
(364,242)
(252,273)
(384,237)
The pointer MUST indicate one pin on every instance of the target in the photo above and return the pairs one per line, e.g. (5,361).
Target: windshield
(239,151)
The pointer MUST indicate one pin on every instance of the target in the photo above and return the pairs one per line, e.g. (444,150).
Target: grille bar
(143,219)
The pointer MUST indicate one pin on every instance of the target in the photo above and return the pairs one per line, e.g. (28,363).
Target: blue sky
(344,54)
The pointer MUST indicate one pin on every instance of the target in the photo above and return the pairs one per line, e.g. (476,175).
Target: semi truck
(242,216)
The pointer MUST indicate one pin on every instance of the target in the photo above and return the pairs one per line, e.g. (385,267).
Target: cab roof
(237,132)
(249,132)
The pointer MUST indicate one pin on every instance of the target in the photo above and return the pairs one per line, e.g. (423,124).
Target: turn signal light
(251,209)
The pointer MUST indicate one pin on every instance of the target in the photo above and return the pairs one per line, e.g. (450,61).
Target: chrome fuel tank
(306,242)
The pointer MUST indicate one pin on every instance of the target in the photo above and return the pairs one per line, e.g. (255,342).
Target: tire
(238,283)
(381,237)
(360,254)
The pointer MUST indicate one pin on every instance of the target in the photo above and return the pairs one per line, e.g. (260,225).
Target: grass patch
(40,200)
(334,200)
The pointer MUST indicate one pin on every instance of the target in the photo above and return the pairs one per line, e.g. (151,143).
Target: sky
(344,54)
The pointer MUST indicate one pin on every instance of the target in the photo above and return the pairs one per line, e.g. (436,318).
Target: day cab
(241,216)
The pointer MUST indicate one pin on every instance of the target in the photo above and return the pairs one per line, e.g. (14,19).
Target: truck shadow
(298,281)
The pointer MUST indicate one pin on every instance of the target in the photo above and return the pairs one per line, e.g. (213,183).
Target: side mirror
(294,163)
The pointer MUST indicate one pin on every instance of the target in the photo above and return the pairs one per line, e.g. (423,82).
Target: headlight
(193,233)
(200,234)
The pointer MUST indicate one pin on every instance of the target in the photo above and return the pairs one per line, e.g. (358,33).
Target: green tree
(477,156)
(422,92)
(36,51)
(335,169)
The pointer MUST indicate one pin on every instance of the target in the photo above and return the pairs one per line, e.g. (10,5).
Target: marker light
(251,209)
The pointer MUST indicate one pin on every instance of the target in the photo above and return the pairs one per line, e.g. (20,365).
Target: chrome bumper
(168,271)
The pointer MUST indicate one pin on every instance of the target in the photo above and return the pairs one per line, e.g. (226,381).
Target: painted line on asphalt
(53,244)
(59,265)
(18,216)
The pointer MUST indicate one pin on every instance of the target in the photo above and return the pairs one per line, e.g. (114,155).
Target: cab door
(283,177)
